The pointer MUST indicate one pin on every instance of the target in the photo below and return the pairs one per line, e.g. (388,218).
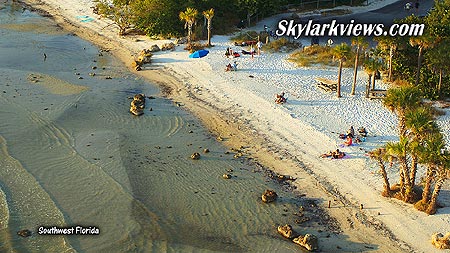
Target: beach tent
(199,54)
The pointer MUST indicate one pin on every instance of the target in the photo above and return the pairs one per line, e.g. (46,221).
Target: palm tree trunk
(355,71)
(412,174)
(419,63)
(405,189)
(368,86)
(391,55)
(373,80)
(209,32)
(437,188)
(427,187)
(189,34)
(440,82)
(339,79)
(401,125)
(387,186)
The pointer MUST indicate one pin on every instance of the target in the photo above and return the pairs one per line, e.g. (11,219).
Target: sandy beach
(239,108)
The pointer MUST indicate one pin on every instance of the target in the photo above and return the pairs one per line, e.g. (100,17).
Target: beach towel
(343,145)
(85,18)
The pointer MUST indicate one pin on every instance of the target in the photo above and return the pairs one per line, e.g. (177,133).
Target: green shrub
(281,45)
(317,54)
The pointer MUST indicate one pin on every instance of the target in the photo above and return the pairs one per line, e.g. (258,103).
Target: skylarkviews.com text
(334,29)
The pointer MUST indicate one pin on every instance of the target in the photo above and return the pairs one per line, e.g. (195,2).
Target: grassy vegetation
(281,45)
(317,54)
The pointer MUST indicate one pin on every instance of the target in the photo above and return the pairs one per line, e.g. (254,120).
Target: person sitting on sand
(280,98)
(349,141)
(351,132)
(229,67)
(234,66)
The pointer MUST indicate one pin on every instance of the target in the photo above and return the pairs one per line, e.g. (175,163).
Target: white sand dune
(302,129)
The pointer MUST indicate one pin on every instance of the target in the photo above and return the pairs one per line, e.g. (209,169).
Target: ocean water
(71,154)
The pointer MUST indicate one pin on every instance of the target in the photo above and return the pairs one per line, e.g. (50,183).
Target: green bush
(281,45)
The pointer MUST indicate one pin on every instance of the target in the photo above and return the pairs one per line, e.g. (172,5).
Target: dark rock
(195,156)
(307,241)
(24,233)
(286,231)
(269,196)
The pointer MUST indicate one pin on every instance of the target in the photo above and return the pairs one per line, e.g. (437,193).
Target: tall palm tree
(341,52)
(422,42)
(189,16)
(438,60)
(372,66)
(209,14)
(360,43)
(392,44)
(400,100)
(380,155)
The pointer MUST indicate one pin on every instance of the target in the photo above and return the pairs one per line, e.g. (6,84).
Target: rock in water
(226,176)
(269,196)
(286,231)
(440,241)
(138,104)
(195,156)
(308,241)
(24,233)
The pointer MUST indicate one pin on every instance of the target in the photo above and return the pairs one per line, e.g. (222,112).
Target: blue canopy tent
(199,54)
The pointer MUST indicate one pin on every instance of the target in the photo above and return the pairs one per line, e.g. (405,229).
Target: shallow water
(79,158)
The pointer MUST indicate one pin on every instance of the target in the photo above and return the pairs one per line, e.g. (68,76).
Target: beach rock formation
(440,241)
(226,176)
(307,241)
(154,48)
(195,156)
(269,196)
(142,58)
(24,232)
(168,46)
(286,231)
(138,104)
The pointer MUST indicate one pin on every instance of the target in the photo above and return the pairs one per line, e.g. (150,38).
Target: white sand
(303,128)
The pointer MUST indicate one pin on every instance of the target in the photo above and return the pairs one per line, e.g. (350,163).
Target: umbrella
(199,54)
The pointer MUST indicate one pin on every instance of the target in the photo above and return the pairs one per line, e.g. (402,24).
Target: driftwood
(326,84)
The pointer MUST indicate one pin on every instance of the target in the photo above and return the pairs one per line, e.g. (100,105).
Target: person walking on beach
(259,46)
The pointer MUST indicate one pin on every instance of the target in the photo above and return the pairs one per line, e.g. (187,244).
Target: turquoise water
(80,158)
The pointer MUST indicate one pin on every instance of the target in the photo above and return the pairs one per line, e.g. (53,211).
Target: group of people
(349,137)
(231,67)
(281,99)
(337,154)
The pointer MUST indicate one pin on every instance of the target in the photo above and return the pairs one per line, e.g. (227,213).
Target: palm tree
(391,43)
(341,52)
(438,60)
(430,154)
(359,43)
(400,100)
(189,16)
(380,156)
(372,66)
(443,173)
(399,150)
(420,123)
(422,42)
(209,14)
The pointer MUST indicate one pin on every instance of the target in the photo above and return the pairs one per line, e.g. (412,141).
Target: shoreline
(236,134)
